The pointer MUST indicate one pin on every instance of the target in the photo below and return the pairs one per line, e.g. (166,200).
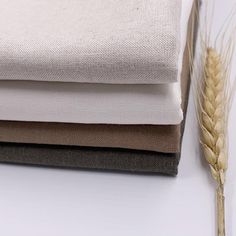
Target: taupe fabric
(90,158)
(140,137)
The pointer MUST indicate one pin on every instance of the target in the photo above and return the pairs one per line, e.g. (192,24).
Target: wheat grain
(213,123)
(213,114)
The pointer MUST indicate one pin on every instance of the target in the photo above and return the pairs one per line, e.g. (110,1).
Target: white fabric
(89,103)
(93,103)
(95,41)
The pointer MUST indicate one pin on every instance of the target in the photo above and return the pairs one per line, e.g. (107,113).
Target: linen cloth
(106,104)
(90,158)
(158,138)
(92,41)
(90,103)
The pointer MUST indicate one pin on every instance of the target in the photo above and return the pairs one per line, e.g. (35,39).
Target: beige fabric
(95,41)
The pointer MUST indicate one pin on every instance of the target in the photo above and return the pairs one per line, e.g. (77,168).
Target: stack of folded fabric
(99,84)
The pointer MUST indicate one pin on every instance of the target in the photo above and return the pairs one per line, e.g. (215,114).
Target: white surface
(51,202)
(105,41)
(96,103)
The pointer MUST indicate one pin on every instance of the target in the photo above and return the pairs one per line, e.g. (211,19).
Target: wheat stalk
(211,79)
(213,120)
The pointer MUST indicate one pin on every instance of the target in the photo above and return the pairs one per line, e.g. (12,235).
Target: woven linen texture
(95,41)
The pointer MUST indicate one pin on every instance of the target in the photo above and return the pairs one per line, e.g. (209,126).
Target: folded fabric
(90,158)
(143,137)
(90,103)
(161,138)
(92,41)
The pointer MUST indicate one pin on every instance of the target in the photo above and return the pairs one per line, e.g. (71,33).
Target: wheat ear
(213,122)
(211,83)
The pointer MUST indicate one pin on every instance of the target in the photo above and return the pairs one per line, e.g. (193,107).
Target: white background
(43,201)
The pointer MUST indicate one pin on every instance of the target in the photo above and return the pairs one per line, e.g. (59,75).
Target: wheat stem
(220,210)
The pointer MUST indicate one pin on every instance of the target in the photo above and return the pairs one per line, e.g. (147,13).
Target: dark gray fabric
(90,158)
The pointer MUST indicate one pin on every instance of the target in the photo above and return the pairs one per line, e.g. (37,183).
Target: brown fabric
(160,138)
(144,137)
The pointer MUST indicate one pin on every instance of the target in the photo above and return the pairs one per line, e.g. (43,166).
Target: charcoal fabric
(90,158)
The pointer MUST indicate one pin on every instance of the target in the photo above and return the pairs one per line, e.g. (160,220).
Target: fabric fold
(92,41)
(140,137)
(90,103)
(90,158)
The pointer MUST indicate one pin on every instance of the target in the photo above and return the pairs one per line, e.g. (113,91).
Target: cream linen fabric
(95,41)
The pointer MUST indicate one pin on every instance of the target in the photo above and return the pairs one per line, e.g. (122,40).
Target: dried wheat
(211,80)
(213,124)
